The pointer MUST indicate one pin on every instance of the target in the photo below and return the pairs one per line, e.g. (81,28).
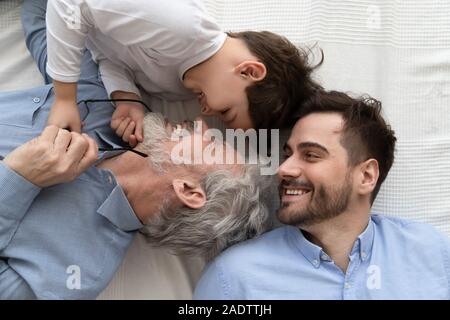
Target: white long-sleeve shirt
(151,43)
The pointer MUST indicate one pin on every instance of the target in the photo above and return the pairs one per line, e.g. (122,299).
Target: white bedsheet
(397,51)
(17,68)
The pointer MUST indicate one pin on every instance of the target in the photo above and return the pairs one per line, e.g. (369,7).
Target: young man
(338,155)
(172,49)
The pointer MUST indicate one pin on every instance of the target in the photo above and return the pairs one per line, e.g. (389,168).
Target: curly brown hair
(287,84)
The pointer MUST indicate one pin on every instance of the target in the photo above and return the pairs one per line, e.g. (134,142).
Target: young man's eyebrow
(304,145)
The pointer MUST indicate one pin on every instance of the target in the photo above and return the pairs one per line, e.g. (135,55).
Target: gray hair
(155,135)
(237,209)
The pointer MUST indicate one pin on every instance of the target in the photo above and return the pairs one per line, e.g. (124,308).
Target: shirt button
(347,285)
(324,257)
(363,255)
(36,100)
(110,179)
(315,262)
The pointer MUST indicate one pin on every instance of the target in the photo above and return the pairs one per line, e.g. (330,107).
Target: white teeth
(295,192)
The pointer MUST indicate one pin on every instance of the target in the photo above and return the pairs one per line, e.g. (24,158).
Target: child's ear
(252,70)
(190,193)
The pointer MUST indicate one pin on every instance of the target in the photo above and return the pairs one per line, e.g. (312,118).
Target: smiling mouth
(295,191)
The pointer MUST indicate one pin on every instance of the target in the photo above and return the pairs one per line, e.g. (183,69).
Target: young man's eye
(311,156)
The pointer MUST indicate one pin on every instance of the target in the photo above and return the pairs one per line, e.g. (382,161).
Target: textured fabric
(392,259)
(18,70)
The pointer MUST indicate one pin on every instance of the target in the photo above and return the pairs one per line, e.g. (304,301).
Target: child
(168,48)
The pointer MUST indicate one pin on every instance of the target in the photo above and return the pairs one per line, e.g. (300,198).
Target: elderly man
(338,155)
(65,225)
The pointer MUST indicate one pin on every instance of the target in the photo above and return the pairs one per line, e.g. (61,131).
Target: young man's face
(316,182)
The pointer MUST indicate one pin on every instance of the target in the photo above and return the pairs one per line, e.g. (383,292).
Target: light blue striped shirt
(392,259)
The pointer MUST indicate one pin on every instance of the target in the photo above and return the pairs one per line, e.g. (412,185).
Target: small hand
(65,115)
(56,156)
(127,121)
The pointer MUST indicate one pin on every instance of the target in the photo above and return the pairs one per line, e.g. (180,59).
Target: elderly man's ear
(190,193)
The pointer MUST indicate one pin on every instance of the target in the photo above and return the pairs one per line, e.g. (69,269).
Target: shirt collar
(106,138)
(315,254)
(364,243)
(117,209)
(309,250)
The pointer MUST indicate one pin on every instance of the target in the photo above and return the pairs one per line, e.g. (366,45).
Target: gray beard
(155,137)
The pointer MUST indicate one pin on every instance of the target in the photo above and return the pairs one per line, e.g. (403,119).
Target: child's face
(228,101)
(221,91)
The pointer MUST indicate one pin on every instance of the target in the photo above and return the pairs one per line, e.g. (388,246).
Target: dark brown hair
(366,135)
(287,84)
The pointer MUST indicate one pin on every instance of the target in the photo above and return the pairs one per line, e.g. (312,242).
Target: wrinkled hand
(127,121)
(65,115)
(56,156)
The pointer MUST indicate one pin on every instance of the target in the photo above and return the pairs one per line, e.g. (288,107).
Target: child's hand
(65,115)
(127,121)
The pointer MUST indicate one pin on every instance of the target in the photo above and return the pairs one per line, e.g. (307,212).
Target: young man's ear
(252,70)
(368,176)
(190,193)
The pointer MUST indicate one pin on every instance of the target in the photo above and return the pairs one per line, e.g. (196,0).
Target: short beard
(324,205)
(154,144)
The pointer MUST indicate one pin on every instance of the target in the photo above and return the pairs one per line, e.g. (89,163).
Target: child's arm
(64,113)
(128,118)
(67,28)
(68,23)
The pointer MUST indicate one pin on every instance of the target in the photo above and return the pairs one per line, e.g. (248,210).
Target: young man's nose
(289,169)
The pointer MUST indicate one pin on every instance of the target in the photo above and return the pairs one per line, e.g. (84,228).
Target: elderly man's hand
(56,156)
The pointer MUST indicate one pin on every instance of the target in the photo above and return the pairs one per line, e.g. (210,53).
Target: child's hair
(287,84)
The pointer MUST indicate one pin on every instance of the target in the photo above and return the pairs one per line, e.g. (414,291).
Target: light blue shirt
(64,241)
(392,259)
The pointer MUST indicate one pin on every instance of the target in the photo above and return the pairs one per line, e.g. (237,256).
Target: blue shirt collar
(106,138)
(117,209)
(364,242)
(315,254)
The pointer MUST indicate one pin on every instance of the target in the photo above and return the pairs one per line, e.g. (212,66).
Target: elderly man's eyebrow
(304,145)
